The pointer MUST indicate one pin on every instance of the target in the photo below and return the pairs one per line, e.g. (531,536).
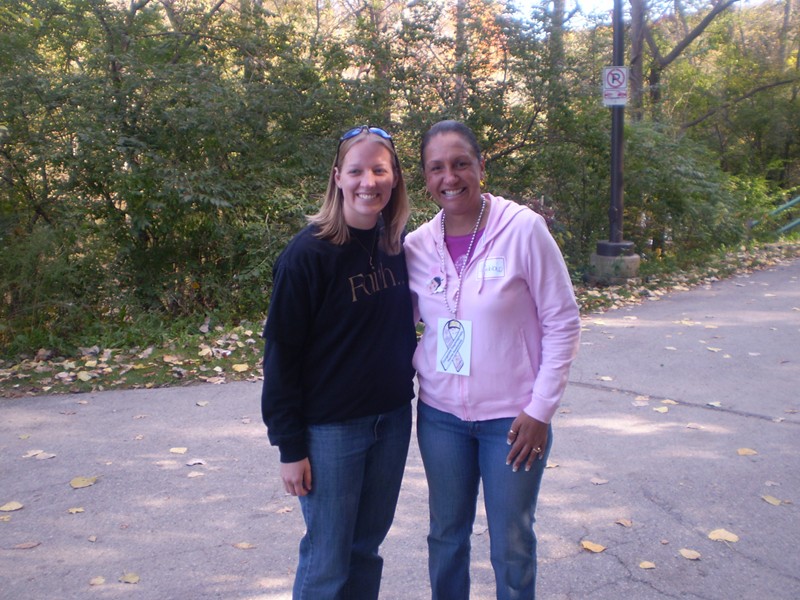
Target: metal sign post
(614,261)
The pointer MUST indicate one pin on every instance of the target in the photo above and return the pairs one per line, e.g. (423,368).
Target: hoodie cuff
(293,451)
(541,411)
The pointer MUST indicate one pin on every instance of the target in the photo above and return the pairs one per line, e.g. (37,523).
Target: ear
(336,177)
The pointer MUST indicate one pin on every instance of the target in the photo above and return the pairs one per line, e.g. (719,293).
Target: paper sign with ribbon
(453,346)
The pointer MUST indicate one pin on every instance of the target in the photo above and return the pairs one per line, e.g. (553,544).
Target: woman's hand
(528,440)
(296,477)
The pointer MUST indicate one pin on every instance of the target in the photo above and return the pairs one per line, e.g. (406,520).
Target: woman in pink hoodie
(501,330)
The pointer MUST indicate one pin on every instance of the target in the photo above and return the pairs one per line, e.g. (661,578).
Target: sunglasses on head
(369,128)
(356,130)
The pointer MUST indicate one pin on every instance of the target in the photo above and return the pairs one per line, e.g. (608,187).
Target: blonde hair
(330,219)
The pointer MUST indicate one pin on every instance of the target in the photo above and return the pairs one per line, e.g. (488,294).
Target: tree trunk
(787,19)
(461,55)
(661,62)
(557,91)
(638,10)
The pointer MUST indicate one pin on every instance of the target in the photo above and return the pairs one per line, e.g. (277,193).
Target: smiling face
(453,173)
(366,176)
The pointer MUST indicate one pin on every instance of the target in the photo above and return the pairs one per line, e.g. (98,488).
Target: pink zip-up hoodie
(517,294)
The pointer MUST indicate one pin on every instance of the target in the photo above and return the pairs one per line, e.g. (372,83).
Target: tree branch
(730,103)
(693,34)
(191,37)
(520,144)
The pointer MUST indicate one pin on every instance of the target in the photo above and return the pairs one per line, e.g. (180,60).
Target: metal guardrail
(789,226)
(780,209)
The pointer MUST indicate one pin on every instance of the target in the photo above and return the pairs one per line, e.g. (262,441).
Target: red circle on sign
(615,78)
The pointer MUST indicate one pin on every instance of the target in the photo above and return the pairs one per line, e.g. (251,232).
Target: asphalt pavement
(681,419)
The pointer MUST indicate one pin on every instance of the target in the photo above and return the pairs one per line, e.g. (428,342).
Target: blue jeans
(356,470)
(457,455)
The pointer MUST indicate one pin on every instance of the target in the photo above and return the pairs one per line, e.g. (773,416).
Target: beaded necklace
(457,295)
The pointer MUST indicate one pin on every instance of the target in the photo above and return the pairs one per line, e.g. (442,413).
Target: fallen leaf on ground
(689,554)
(694,426)
(746,452)
(714,404)
(129,578)
(598,481)
(772,500)
(646,564)
(668,401)
(592,547)
(722,535)
(32,453)
(97,581)
(82,482)
(75,511)
(605,378)
(44,455)
(178,450)
(284,510)
(687,322)
(624,522)
(241,367)
(244,546)
(11,506)
(661,409)
(195,474)
(202,403)
(26,545)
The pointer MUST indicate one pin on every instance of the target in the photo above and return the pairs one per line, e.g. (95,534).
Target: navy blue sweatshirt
(339,337)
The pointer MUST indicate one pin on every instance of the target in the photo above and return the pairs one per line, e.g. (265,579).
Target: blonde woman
(338,380)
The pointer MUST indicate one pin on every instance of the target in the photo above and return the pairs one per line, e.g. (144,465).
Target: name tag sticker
(493,268)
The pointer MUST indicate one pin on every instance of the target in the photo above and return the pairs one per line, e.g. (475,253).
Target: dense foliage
(156,155)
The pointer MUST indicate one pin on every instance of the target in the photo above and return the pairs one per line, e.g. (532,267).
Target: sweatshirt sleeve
(559,319)
(281,400)
(282,391)
(410,248)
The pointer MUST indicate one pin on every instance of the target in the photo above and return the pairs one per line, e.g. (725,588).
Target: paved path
(723,360)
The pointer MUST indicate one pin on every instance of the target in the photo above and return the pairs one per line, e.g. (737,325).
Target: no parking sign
(615,86)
